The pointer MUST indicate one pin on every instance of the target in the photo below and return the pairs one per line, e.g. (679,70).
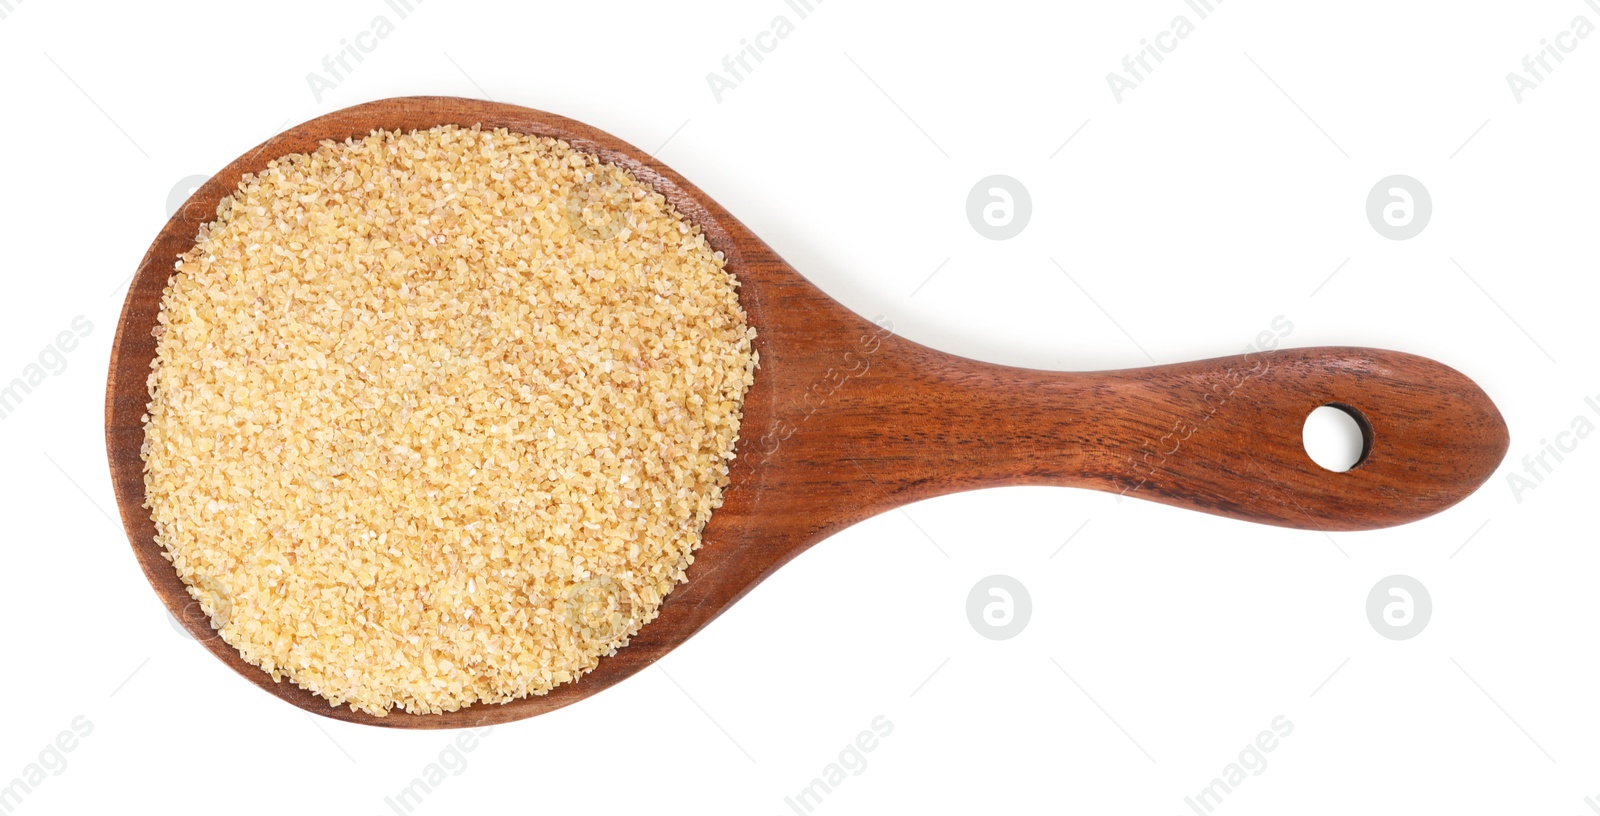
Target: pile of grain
(436,418)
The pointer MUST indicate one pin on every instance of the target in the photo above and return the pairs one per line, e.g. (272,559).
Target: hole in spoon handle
(1226,436)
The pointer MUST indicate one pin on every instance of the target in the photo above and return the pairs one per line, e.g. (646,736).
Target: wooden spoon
(847,420)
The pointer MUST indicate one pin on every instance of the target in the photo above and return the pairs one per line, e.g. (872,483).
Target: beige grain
(436,418)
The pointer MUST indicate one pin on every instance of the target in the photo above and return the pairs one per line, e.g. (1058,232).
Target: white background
(1220,193)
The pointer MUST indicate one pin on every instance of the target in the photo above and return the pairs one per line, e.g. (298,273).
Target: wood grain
(847,420)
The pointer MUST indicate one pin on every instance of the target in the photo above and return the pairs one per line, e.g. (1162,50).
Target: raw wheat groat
(436,418)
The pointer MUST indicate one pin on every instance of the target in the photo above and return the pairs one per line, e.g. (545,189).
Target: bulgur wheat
(436,418)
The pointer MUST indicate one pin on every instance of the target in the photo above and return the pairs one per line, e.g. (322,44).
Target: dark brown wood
(847,420)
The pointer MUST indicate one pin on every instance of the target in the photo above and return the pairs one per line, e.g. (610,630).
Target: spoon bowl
(846,420)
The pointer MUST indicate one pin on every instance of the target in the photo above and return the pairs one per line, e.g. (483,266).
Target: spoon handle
(1223,436)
